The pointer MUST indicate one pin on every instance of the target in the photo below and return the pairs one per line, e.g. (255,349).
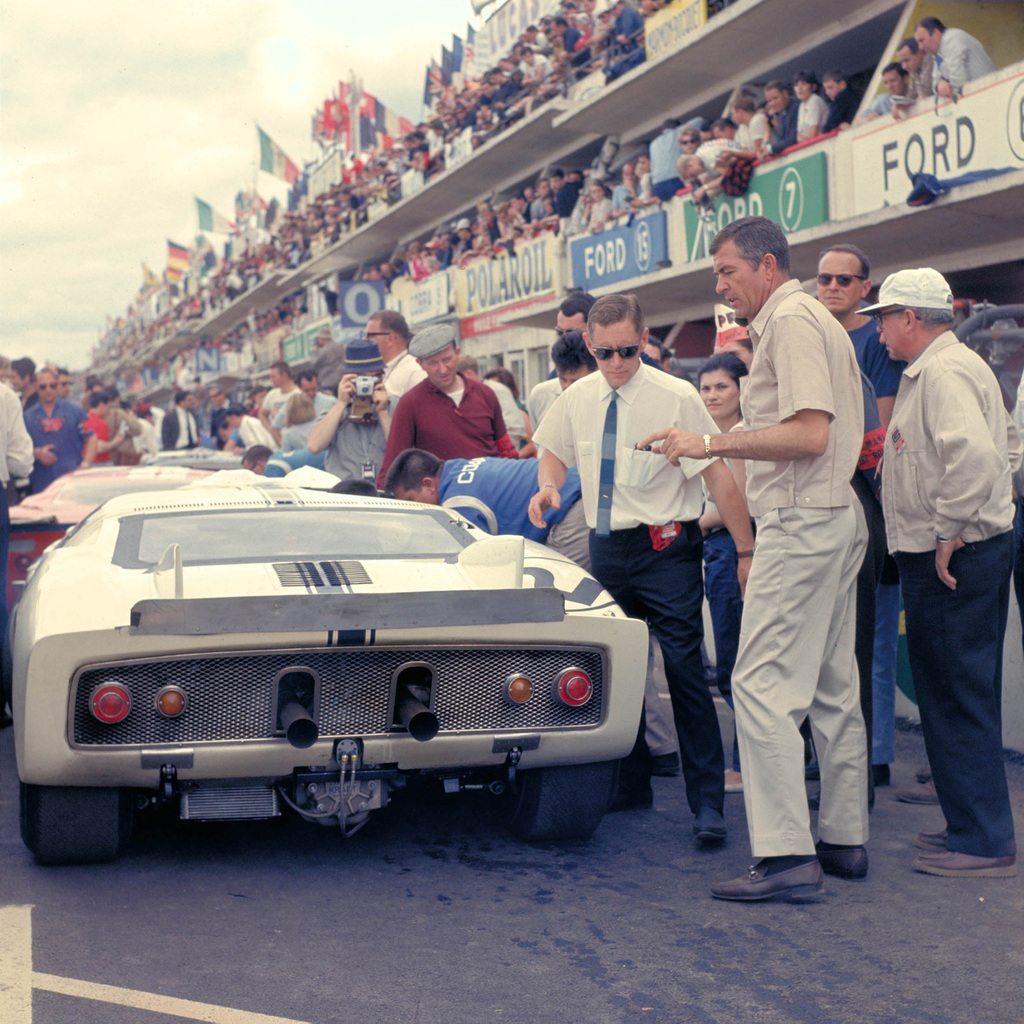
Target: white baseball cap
(922,288)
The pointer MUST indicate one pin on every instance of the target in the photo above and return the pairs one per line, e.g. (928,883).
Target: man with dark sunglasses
(843,283)
(61,440)
(645,542)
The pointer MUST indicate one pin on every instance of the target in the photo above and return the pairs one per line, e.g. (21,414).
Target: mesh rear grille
(230,697)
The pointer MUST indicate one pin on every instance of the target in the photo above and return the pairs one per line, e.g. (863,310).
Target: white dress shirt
(401,374)
(15,444)
(648,488)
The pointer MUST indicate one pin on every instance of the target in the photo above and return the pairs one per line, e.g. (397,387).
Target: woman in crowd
(813,109)
(719,383)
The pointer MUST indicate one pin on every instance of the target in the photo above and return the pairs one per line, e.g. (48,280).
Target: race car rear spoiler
(205,616)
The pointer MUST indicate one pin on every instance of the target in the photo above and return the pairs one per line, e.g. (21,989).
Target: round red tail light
(575,687)
(110,703)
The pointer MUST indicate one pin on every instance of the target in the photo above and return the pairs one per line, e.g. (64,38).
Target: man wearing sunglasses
(645,542)
(61,440)
(946,486)
(843,283)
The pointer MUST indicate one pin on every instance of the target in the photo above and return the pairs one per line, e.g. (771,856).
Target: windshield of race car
(259,535)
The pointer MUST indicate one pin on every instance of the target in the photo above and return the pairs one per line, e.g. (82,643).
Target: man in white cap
(446,414)
(946,489)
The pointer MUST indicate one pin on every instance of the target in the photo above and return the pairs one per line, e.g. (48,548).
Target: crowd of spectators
(692,155)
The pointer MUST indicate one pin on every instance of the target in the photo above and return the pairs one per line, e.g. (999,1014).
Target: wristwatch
(707,446)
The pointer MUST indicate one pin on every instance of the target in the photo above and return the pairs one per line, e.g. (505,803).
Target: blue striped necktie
(606,480)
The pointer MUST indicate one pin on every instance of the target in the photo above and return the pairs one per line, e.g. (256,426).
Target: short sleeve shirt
(803,359)
(648,489)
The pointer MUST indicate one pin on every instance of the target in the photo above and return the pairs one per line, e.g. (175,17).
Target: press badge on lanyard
(369,472)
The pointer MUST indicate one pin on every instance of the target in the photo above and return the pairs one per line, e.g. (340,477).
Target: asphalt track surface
(434,915)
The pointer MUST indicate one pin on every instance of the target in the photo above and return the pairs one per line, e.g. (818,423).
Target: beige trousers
(796,659)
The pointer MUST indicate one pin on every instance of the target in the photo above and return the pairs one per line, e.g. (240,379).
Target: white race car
(236,648)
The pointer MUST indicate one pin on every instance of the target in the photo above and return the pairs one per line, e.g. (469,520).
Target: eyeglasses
(46,387)
(843,280)
(879,317)
(624,352)
(376,334)
(689,141)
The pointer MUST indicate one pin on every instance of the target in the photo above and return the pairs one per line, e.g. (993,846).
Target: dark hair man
(256,458)
(492,493)
(959,57)
(897,93)
(918,65)
(391,334)
(23,380)
(573,361)
(179,428)
(805,409)
(645,542)
(842,103)
(783,110)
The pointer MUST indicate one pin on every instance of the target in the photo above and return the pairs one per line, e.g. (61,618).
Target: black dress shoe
(880,774)
(844,862)
(709,825)
(631,799)
(800,884)
(666,766)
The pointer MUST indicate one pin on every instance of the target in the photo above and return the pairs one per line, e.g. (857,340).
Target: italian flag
(211,220)
(274,160)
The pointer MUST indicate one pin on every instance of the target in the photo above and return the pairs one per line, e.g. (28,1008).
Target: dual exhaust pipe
(412,694)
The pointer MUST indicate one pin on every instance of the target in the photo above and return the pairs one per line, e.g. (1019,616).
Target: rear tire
(561,801)
(71,825)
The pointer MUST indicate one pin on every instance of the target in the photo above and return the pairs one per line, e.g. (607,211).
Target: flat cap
(432,340)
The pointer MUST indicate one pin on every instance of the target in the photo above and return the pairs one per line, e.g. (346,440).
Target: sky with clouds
(115,114)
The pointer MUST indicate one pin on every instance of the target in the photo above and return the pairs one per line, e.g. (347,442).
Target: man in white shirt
(390,333)
(282,387)
(645,542)
(16,461)
(572,316)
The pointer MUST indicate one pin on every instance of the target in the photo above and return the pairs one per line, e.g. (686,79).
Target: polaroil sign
(487,284)
(794,195)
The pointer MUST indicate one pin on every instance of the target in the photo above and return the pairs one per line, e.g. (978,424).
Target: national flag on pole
(177,256)
(469,53)
(434,84)
(211,220)
(274,160)
(446,66)
(149,279)
(457,54)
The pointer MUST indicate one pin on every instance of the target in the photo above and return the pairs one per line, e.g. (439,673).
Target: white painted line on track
(17,980)
(168,1005)
(16,965)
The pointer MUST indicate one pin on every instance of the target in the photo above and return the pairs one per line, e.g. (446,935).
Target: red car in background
(42,518)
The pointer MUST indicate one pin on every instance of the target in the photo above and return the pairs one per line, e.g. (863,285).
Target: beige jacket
(949,453)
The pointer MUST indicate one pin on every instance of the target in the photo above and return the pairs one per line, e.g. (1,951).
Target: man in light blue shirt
(959,57)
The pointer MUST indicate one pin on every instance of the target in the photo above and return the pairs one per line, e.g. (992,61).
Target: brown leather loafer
(851,862)
(933,842)
(802,884)
(951,864)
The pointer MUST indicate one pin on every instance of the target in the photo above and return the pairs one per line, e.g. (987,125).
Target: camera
(364,386)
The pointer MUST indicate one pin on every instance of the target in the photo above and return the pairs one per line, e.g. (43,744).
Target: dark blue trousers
(955,643)
(1018,561)
(666,588)
(725,602)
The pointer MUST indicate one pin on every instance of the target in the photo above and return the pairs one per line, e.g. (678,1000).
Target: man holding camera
(354,431)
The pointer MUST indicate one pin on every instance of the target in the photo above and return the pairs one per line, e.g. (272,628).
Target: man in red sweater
(446,414)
